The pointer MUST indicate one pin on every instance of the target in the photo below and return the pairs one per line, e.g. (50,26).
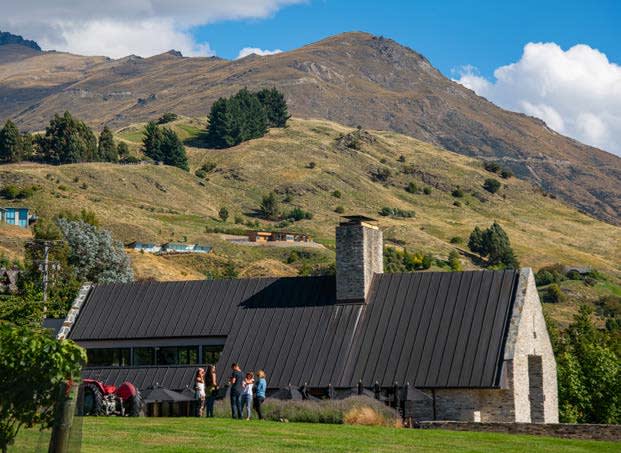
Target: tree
(275,106)
(122,150)
(222,131)
(152,141)
(33,364)
(27,146)
(269,206)
(223,214)
(491,185)
(172,150)
(248,114)
(494,244)
(107,150)
(68,140)
(94,255)
(453,261)
(11,149)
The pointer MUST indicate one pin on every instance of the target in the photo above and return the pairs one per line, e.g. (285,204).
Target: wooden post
(64,411)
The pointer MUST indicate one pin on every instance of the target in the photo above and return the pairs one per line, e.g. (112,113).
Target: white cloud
(255,50)
(577,92)
(120,27)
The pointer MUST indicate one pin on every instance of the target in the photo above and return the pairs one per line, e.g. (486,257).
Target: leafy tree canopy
(494,244)
(68,140)
(107,149)
(11,144)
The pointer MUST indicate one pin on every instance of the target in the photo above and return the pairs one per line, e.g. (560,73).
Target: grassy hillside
(118,434)
(158,203)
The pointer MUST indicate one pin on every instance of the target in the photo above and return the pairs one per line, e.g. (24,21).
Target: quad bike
(102,399)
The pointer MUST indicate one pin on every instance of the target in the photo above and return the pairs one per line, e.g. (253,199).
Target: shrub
(269,206)
(401,158)
(167,117)
(11,192)
(311,165)
(297,214)
(506,174)
(339,209)
(453,261)
(554,294)
(549,274)
(491,185)
(494,244)
(411,187)
(238,219)
(456,240)
(427,190)
(396,212)
(491,166)
(336,194)
(382,174)
(457,193)
(223,213)
(457,204)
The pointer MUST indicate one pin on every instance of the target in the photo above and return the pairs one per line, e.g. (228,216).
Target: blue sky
(485,34)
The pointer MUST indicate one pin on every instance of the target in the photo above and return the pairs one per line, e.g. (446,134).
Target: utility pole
(45,265)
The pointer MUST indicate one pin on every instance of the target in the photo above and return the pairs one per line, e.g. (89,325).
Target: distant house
(147,247)
(282,236)
(169,247)
(18,216)
(176,247)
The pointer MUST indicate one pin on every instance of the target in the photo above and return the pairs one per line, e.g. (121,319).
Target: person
(259,395)
(236,380)
(247,395)
(199,391)
(212,389)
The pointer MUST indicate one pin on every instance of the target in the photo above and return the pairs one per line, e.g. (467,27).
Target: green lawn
(222,435)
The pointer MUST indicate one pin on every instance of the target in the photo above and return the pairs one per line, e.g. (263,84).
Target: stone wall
(359,255)
(570,431)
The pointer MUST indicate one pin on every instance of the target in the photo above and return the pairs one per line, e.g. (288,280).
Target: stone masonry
(359,255)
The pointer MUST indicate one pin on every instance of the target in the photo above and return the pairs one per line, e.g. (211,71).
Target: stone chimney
(359,255)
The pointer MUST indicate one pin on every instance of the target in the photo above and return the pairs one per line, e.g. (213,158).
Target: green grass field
(223,435)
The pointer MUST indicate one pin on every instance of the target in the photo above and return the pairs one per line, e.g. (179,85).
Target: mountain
(352,78)
(7,38)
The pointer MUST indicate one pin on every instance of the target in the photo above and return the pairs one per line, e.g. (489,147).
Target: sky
(557,60)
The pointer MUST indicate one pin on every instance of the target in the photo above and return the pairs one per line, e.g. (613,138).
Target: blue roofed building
(18,216)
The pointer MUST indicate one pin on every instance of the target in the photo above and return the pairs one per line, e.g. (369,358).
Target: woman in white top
(247,395)
(199,392)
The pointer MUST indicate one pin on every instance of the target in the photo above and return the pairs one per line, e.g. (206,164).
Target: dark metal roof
(431,329)
(54,324)
(170,377)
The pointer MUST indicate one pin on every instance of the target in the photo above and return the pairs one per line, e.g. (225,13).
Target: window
(188,355)
(10,217)
(108,357)
(144,356)
(211,354)
(182,355)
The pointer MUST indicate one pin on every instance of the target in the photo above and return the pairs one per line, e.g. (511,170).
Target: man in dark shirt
(236,380)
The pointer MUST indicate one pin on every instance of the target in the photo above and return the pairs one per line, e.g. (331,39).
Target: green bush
(167,117)
(457,204)
(11,192)
(396,212)
(411,187)
(339,209)
(297,214)
(401,158)
(457,193)
(491,185)
(427,190)
(456,240)
(311,165)
(554,294)
(381,174)
(491,166)
(506,174)
(336,194)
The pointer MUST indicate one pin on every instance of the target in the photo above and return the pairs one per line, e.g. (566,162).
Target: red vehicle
(103,399)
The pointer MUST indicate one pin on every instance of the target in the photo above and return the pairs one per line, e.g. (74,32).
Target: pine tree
(172,150)
(10,143)
(494,244)
(275,106)
(269,206)
(249,115)
(152,142)
(122,150)
(107,150)
(223,131)
(68,140)
(475,243)
(27,146)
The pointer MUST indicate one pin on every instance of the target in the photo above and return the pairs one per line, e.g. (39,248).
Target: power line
(45,265)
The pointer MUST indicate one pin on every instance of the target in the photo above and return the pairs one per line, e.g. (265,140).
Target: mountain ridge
(351,78)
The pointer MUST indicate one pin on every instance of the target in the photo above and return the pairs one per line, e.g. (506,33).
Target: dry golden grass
(366,416)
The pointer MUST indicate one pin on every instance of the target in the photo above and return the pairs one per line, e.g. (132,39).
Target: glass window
(108,357)
(167,356)
(211,354)
(144,356)
(188,355)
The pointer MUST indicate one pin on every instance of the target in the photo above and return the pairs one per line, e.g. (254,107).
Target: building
(169,247)
(175,247)
(147,247)
(280,236)
(18,216)
(472,346)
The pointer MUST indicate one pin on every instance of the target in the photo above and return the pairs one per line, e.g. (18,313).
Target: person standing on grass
(212,389)
(199,392)
(259,395)
(247,395)
(236,380)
